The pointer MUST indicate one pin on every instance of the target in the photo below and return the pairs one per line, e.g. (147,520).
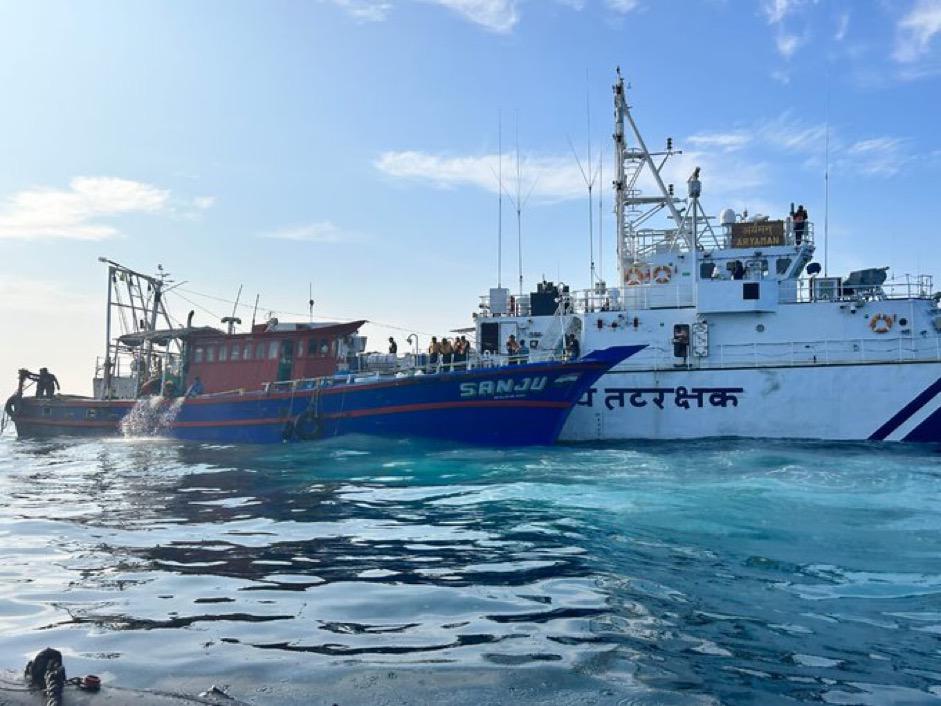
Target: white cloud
(842,26)
(877,156)
(76,212)
(728,141)
(320,232)
(551,178)
(782,77)
(787,44)
(365,10)
(29,295)
(623,6)
(204,202)
(777,10)
(915,31)
(792,135)
(495,15)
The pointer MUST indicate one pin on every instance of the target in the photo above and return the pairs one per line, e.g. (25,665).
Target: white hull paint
(835,402)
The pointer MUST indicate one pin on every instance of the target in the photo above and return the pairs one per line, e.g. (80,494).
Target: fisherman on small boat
(47,384)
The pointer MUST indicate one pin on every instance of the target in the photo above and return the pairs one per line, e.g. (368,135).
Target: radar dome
(727,217)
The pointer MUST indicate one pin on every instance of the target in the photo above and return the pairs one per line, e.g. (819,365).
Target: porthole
(903,321)
(760,328)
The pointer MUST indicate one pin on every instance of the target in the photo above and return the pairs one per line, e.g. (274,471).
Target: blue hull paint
(509,406)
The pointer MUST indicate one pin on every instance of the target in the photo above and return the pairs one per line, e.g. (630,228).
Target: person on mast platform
(393,346)
(799,219)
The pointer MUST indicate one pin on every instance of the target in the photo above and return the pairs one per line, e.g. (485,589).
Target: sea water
(735,572)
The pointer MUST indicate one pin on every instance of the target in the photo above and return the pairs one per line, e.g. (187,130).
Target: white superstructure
(744,335)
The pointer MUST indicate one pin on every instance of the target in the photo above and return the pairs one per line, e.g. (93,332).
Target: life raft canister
(662,274)
(881,323)
(634,276)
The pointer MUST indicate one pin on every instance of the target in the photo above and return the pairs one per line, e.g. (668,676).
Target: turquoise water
(708,572)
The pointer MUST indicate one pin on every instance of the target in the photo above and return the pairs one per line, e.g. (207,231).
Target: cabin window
(247,352)
(260,351)
(223,353)
(210,354)
(300,349)
(273,350)
(198,355)
(236,352)
(751,290)
(324,346)
(783,265)
(312,346)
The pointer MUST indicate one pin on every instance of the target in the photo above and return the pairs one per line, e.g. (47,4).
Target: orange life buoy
(635,276)
(662,274)
(881,323)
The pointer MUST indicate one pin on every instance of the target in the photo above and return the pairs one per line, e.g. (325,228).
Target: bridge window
(783,265)
(300,349)
(236,352)
(223,353)
(210,354)
(247,353)
(198,355)
(273,350)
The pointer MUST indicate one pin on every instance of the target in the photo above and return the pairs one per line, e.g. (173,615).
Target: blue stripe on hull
(929,431)
(907,412)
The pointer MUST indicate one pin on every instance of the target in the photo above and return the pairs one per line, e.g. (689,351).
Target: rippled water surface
(713,572)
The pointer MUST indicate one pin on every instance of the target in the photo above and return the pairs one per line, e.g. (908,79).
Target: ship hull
(510,406)
(899,401)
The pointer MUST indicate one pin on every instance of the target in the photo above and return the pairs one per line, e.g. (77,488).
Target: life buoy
(635,276)
(881,323)
(662,274)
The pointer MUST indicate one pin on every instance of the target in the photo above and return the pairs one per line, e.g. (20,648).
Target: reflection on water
(727,569)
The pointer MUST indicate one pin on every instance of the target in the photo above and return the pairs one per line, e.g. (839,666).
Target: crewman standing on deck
(47,384)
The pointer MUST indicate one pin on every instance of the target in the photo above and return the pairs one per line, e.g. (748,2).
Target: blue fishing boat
(284,382)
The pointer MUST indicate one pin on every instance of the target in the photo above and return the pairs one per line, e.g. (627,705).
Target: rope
(284,311)
(55,683)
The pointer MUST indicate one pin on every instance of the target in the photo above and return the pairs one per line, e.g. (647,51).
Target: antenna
(500,201)
(232,320)
(600,213)
(310,301)
(826,188)
(255,310)
(518,202)
(519,205)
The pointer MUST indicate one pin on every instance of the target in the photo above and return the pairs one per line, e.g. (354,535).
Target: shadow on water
(726,568)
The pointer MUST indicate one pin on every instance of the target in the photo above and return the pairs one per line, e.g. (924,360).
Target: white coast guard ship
(744,335)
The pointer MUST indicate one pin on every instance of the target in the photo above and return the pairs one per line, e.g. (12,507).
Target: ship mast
(138,310)
(633,210)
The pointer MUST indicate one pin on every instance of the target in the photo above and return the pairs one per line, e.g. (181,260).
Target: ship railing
(815,289)
(795,353)
(414,365)
(654,295)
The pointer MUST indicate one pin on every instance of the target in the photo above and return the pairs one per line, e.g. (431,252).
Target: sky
(351,147)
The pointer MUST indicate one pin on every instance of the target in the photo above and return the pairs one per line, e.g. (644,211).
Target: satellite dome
(727,217)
